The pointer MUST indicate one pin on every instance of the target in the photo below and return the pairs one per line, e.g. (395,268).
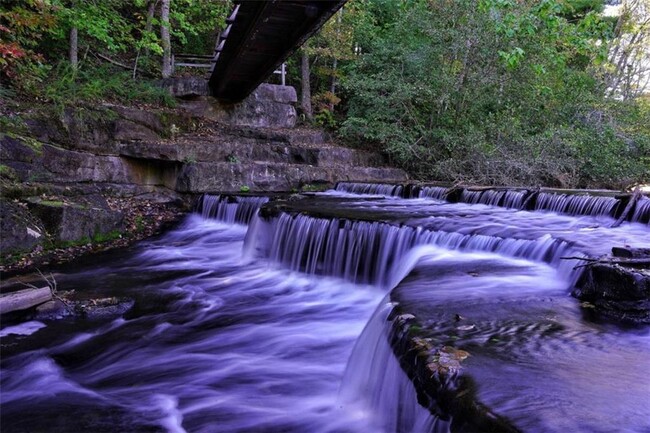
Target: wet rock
(630,253)
(436,373)
(102,308)
(617,291)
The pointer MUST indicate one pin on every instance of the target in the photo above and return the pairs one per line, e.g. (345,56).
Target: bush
(65,86)
(500,94)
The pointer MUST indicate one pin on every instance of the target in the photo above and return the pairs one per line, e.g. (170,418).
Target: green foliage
(101,23)
(34,38)
(23,24)
(65,87)
(99,238)
(325,119)
(244,188)
(493,92)
(139,224)
(7,172)
(194,23)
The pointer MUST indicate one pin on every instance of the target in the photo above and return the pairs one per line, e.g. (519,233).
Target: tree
(165,38)
(628,67)
(305,85)
(489,91)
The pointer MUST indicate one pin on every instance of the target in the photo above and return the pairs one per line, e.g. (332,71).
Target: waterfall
(374,379)
(370,188)
(570,204)
(576,204)
(641,211)
(471,197)
(433,192)
(230,209)
(367,252)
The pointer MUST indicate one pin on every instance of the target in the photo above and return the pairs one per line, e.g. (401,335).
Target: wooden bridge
(260,35)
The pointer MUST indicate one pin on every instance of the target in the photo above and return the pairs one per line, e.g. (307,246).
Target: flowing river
(240,323)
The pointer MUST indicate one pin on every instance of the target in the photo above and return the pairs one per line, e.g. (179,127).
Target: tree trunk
(166,42)
(339,17)
(333,83)
(305,94)
(74,48)
(150,12)
(147,28)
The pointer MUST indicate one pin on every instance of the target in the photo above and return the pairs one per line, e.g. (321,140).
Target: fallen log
(24,299)
(628,208)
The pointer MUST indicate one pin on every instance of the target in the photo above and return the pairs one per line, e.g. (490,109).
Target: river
(280,324)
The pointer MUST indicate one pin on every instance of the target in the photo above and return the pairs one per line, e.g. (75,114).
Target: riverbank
(141,219)
(78,179)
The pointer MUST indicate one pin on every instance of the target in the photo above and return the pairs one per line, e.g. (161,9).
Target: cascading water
(642,211)
(230,209)
(433,192)
(576,204)
(223,341)
(362,252)
(370,188)
(570,204)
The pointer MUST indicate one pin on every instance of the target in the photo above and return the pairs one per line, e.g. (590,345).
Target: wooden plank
(24,299)
(192,56)
(194,65)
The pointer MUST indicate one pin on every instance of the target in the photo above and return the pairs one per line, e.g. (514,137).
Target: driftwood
(531,195)
(630,204)
(24,299)
(634,263)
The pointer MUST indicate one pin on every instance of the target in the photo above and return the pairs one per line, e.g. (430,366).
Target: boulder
(185,87)
(276,93)
(20,230)
(257,111)
(617,291)
(70,222)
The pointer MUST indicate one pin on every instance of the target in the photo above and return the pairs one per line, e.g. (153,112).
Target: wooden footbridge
(260,35)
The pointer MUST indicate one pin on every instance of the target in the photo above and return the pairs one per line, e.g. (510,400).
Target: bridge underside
(261,36)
